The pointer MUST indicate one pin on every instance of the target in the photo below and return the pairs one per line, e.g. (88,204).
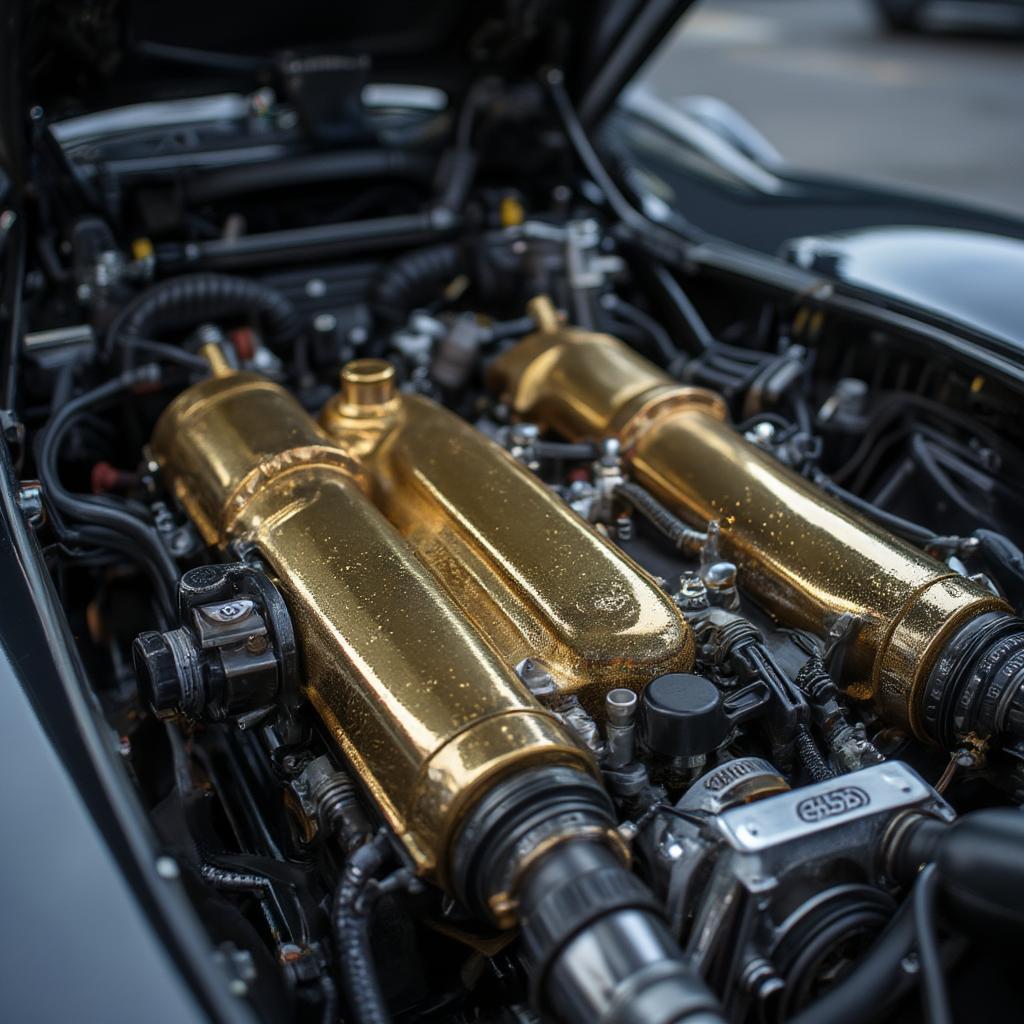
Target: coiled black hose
(189,299)
(681,535)
(353,905)
(412,279)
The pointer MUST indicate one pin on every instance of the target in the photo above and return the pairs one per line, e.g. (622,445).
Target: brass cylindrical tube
(807,558)
(422,707)
(534,579)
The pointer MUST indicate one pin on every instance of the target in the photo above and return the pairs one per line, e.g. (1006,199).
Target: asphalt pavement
(834,91)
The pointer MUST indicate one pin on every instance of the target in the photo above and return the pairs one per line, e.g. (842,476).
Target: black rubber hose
(412,279)
(681,535)
(188,300)
(308,169)
(103,511)
(981,877)
(351,918)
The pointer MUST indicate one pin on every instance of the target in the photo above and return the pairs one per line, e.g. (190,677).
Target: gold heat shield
(804,556)
(421,705)
(533,577)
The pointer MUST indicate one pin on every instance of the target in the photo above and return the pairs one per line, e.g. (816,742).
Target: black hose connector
(593,940)
(190,299)
(597,949)
(977,683)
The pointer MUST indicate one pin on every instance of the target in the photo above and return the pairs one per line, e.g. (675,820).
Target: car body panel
(967,277)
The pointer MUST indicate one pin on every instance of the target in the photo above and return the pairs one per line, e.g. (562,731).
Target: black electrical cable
(564,450)
(700,335)
(933,986)
(810,756)
(670,355)
(457,168)
(103,511)
(913,532)
(682,536)
(353,905)
(879,980)
(924,457)
(500,330)
(162,351)
(14,279)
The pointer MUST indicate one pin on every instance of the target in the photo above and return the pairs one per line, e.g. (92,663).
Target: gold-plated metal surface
(807,558)
(534,578)
(420,704)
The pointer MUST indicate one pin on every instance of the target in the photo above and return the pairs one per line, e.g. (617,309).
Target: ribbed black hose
(681,535)
(235,881)
(413,279)
(190,299)
(352,909)
(810,756)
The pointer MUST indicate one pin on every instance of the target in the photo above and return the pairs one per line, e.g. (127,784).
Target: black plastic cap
(681,715)
(157,673)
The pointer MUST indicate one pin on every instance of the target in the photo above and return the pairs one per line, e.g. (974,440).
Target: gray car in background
(974,15)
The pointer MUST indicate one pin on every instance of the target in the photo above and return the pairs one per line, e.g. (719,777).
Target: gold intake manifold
(807,558)
(409,630)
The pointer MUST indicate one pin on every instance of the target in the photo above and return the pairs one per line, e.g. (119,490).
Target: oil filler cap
(681,715)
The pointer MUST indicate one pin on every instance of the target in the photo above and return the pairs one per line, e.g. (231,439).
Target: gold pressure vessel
(422,707)
(807,558)
(535,579)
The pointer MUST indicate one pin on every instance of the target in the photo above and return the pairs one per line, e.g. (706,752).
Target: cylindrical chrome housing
(421,705)
(804,556)
(534,579)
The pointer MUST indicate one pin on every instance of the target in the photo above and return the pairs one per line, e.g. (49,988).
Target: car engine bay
(501,612)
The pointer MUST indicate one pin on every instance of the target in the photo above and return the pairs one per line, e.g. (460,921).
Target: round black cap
(157,673)
(681,715)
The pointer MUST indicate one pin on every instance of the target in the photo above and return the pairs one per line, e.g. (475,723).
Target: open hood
(70,57)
